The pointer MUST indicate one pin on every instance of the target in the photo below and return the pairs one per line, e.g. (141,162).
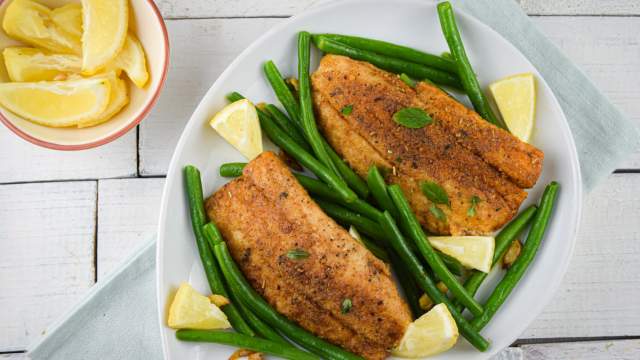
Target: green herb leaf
(346,305)
(413,118)
(407,80)
(297,254)
(434,192)
(438,213)
(472,209)
(347,110)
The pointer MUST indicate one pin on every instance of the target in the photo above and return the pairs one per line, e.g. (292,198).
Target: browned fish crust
(445,152)
(266,213)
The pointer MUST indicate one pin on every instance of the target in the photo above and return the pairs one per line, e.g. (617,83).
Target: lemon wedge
(57,103)
(68,18)
(432,333)
(119,99)
(192,310)
(238,124)
(516,100)
(132,60)
(29,64)
(104,32)
(472,251)
(31,22)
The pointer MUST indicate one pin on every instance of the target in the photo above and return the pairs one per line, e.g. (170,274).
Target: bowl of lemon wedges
(79,74)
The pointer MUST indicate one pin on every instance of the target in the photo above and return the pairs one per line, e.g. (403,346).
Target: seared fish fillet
(263,215)
(468,157)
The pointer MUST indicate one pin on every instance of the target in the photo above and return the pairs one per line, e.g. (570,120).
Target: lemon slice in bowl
(30,64)
(516,100)
(432,333)
(68,18)
(57,103)
(132,60)
(31,22)
(238,124)
(474,252)
(118,100)
(192,310)
(104,32)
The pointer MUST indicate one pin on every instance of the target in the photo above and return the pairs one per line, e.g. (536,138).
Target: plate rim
(577,191)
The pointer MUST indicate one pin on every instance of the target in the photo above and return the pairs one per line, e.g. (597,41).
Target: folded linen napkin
(118,318)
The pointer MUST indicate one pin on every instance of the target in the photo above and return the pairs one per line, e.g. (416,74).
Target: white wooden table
(66,219)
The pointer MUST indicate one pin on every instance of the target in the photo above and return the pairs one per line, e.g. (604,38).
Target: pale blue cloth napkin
(118,319)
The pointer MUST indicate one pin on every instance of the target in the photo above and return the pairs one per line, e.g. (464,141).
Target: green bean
(350,177)
(421,277)
(394,65)
(288,126)
(234,96)
(408,285)
(232,169)
(245,342)
(517,270)
(378,189)
(452,264)
(413,228)
(363,224)
(193,186)
(394,51)
(306,103)
(375,249)
(408,80)
(468,77)
(280,138)
(282,91)
(503,241)
(261,308)
(318,188)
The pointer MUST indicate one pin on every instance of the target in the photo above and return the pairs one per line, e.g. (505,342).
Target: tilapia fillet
(481,167)
(263,215)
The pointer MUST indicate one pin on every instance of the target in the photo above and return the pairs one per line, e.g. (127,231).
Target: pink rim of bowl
(131,125)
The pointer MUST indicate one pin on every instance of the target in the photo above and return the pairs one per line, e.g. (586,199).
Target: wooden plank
(230,8)
(584,350)
(597,297)
(14,356)
(608,50)
(22,161)
(202,49)
(581,7)
(47,245)
(127,217)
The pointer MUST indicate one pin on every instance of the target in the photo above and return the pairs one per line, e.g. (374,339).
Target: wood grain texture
(127,217)
(584,350)
(230,8)
(46,242)
(608,50)
(202,49)
(22,161)
(599,292)
(15,356)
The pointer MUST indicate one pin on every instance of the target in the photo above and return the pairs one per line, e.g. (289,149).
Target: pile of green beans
(388,63)
(261,308)
(413,228)
(393,50)
(362,223)
(517,270)
(213,237)
(193,186)
(469,80)
(421,277)
(246,342)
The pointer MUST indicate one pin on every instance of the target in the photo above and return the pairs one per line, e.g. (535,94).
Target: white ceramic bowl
(147,24)
(414,23)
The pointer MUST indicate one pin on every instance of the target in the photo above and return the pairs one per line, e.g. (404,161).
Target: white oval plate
(414,23)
